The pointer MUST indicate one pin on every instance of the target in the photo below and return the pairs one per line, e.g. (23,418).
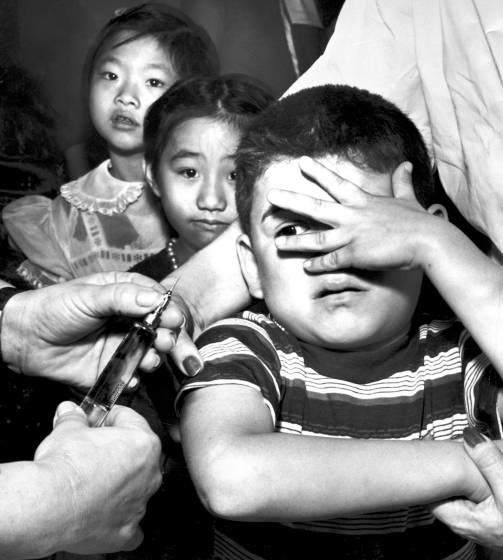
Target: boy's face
(125,81)
(345,310)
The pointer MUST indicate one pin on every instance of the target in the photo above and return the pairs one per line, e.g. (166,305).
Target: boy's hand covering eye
(365,231)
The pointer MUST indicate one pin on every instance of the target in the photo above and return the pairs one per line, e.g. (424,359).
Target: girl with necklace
(191,134)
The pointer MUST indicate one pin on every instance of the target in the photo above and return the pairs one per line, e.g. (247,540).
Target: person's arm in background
(87,488)
(209,286)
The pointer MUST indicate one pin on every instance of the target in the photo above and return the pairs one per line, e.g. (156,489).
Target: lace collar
(82,193)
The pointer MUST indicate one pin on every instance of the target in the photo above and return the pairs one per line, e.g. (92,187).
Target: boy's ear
(249,266)
(439,210)
(149,179)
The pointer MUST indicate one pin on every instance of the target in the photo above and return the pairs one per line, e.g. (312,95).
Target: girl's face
(125,81)
(196,181)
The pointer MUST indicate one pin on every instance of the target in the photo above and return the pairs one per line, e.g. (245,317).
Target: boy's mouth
(340,284)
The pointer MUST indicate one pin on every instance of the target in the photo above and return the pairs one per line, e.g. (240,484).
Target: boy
(270,427)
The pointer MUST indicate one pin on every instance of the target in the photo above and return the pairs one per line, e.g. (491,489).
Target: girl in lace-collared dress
(109,219)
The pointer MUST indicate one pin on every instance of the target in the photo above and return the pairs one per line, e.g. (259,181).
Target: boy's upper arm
(213,417)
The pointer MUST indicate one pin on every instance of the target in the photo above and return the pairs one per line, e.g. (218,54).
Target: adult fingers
(186,355)
(133,541)
(119,299)
(118,277)
(125,417)
(488,459)
(339,188)
(69,415)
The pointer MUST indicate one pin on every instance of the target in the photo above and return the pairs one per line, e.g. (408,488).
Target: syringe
(121,367)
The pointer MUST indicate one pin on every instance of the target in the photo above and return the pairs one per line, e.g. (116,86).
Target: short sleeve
(239,352)
(482,385)
(31,222)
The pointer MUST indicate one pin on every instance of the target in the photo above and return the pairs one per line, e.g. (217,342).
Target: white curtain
(441,62)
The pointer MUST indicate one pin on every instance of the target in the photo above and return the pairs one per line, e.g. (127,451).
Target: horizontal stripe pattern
(435,396)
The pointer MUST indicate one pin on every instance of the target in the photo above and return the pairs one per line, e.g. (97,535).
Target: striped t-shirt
(431,385)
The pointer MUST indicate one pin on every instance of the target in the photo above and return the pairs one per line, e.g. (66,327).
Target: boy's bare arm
(376,233)
(244,471)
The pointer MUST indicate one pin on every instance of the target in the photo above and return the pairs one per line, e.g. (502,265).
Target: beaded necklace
(170,250)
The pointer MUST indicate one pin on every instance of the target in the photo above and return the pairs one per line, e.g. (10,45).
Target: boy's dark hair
(187,45)
(355,124)
(232,98)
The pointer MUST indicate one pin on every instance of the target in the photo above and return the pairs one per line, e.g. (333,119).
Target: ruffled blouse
(98,223)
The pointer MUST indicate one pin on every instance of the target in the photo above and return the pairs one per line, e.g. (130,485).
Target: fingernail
(308,264)
(473,437)
(192,366)
(408,167)
(147,298)
(64,408)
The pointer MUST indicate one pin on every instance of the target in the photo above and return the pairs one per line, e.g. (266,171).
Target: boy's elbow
(229,488)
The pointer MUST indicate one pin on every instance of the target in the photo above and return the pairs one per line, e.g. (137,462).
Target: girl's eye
(188,173)
(109,76)
(154,82)
(232,176)
(291,229)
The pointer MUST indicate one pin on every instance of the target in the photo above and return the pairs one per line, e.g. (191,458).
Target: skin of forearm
(281,477)
(34,511)
(210,282)
(290,478)
(469,281)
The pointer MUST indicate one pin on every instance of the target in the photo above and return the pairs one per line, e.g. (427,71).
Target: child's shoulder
(255,322)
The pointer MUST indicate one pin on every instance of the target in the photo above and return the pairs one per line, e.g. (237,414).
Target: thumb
(68,414)
(488,459)
(401,181)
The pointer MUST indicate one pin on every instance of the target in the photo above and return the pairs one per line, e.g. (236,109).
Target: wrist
(10,336)
(34,502)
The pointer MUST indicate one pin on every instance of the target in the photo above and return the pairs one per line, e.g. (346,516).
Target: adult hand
(363,230)
(480,522)
(58,331)
(100,480)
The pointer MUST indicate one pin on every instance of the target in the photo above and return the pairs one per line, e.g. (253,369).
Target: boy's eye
(154,82)
(292,229)
(188,173)
(232,176)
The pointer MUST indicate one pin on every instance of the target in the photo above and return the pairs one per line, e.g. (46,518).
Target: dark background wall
(51,37)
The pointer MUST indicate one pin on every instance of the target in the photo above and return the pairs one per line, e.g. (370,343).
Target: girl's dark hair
(231,98)
(187,45)
(357,125)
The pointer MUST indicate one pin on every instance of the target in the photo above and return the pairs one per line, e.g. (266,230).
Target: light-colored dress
(98,223)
